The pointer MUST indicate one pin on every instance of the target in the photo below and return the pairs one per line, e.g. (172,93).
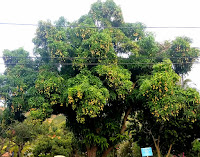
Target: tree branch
(170,147)
(124,120)
(106,152)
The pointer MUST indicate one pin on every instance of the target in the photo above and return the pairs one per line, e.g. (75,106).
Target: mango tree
(169,111)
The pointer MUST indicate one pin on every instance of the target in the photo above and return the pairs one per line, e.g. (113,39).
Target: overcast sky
(178,13)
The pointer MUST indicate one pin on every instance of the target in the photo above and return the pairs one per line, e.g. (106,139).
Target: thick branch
(126,116)
(156,144)
(124,120)
(154,140)
(106,152)
(169,151)
(158,141)
(91,151)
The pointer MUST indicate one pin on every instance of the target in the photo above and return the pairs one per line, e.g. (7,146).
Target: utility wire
(78,26)
(103,58)
(137,63)
(19,24)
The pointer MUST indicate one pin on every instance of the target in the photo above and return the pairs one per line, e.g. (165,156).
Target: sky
(153,13)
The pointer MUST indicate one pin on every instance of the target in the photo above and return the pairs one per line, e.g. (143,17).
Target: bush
(57,141)
(196,147)
(129,149)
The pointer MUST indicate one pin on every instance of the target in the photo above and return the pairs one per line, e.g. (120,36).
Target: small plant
(129,149)
(196,147)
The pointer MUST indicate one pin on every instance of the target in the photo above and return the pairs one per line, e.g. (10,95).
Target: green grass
(59,119)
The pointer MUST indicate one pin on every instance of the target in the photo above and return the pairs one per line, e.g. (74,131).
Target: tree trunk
(157,145)
(18,153)
(170,147)
(158,151)
(20,150)
(123,129)
(106,152)
(91,151)
(76,153)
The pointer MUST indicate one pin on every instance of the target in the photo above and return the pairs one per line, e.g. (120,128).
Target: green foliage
(129,149)
(116,79)
(87,95)
(19,134)
(53,145)
(196,146)
(120,42)
(78,75)
(97,49)
(165,97)
(135,31)
(161,91)
(106,14)
(149,47)
(22,133)
(182,54)
(100,141)
(169,111)
(47,138)
(59,120)
(19,77)
(11,58)
(145,56)
(54,140)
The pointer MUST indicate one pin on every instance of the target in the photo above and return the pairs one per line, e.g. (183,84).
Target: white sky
(150,12)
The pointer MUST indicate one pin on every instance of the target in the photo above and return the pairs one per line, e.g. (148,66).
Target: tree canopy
(80,70)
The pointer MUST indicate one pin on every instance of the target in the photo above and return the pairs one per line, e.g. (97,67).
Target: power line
(19,24)
(78,26)
(134,62)
(74,58)
(102,58)
(174,27)
(137,63)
